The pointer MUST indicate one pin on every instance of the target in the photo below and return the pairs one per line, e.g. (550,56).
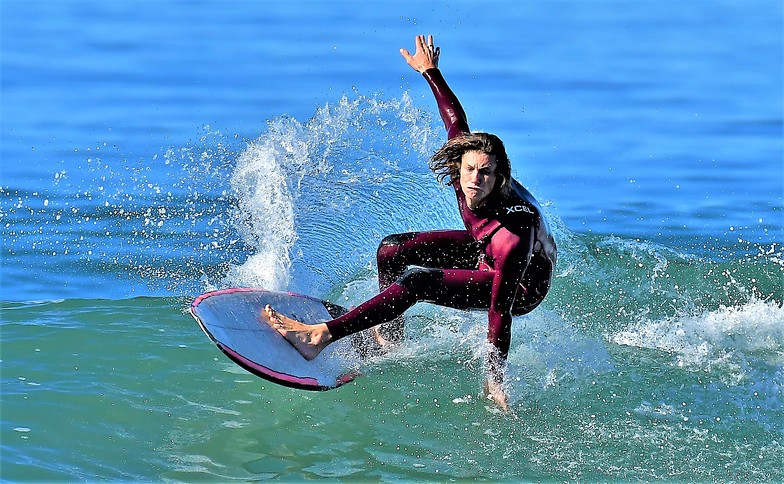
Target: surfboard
(231,319)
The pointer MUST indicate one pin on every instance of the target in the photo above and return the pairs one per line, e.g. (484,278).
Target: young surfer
(502,262)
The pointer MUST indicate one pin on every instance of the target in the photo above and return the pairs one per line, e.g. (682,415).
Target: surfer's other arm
(514,254)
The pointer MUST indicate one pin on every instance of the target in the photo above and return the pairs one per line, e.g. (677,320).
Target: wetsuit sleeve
(448,105)
(515,253)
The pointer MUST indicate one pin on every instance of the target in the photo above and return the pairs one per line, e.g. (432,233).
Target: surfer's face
(477,177)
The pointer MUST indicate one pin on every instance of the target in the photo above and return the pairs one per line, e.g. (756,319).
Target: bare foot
(384,343)
(308,339)
(495,391)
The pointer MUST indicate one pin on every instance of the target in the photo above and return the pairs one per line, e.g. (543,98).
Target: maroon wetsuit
(502,262)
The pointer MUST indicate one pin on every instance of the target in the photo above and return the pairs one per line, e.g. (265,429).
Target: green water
(131,390)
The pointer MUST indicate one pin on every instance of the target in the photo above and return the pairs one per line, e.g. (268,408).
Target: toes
(271,314)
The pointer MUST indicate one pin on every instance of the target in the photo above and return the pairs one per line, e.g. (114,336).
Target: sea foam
(716,337)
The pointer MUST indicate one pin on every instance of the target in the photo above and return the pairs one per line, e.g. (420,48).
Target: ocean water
(152,151)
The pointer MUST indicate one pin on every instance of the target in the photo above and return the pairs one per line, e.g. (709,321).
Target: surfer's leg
(437,249)
(458,288)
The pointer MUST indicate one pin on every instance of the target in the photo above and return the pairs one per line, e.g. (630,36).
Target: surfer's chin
(474,203)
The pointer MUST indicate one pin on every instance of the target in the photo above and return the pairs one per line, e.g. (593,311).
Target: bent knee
(391,245)
(417,278)
(395,240)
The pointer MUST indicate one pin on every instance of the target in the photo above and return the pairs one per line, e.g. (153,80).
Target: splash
(264,216)
(311,197)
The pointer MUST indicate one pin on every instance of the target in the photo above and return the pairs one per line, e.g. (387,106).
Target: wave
(303,206)
(725,337)
(630,325)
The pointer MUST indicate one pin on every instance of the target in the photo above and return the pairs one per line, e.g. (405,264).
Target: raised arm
(425,61)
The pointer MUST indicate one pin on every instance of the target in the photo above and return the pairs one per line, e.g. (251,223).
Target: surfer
(502,262)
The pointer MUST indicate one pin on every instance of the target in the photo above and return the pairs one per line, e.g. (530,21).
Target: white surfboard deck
(231,319)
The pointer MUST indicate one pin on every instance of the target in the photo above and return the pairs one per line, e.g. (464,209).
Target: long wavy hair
(445,162)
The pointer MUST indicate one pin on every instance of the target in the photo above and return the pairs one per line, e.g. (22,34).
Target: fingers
(428,47)
(421,46)
(406,54)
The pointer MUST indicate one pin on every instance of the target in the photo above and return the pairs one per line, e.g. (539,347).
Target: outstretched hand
(426,55)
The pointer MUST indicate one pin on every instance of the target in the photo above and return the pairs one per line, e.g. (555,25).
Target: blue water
(155,150)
